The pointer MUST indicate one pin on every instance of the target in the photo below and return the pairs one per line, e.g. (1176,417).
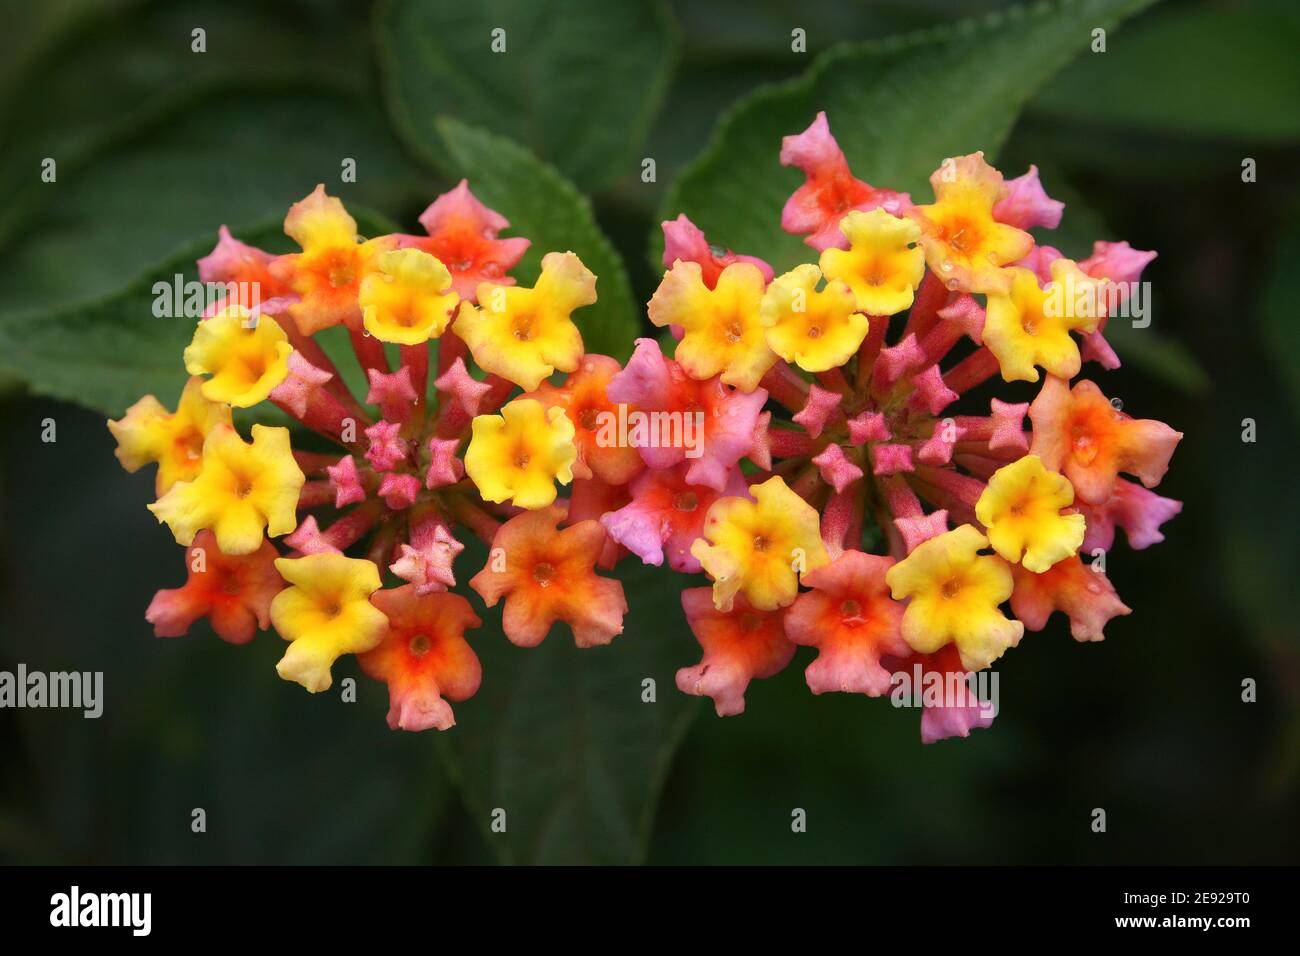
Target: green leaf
(560,738)
(750,31)
(107,353)
(110,219)
(578,86)
(898,107)
(90,71)
(1224,71)
(544,206)
(1278,327)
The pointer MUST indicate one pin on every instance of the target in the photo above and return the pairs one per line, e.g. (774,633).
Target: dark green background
(1145,143)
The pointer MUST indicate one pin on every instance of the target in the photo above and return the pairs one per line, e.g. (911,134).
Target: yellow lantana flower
(239,490)
(526,334)
(327,274)
(760,547)
(174,440)
(724,332)
(1021,507)
(246,357)
(324,614)
(1028,325)
(883,265)
(520,454)
(954,595)
(964,245)
(409,299)
(815,330)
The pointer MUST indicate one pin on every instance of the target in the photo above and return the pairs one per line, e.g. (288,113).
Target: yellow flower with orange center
(241,489)
(816,330)
(520,454)
(760,547)
(327,274)
(526,334)
(724,333)
(408,300)
(964,245)
(1028,325)
(174,440)
(1021,508)
(954,595)
(246,356)
(324,614)
(883,264)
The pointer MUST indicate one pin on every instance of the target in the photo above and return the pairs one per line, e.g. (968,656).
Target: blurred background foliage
(157,145)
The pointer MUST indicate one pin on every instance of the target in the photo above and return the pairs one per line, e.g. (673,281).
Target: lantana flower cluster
(789,428)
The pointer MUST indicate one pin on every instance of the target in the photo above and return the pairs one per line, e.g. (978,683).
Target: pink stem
(834,381)
(314,463)
(327,416)
(416,360)
(974,369)
(900,498)
(450,348)
(370,351)
(974,427)
(940,340)
(931,296)
(962,488)
(979,465)
(349,529)
(314,494)
(786,442)
(853,536)
(893,537)
(784,385)
(877,326)
(836,518)
(981,449)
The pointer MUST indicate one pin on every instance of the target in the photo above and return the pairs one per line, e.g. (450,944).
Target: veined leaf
(898,107)
(578,84)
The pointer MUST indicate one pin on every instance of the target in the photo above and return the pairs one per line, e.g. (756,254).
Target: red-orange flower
(739,645)
(548,575)
(424,657)
(462,235)
(830,190)
(233,592)
(1081,434)
(1083,594)
(852,621)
